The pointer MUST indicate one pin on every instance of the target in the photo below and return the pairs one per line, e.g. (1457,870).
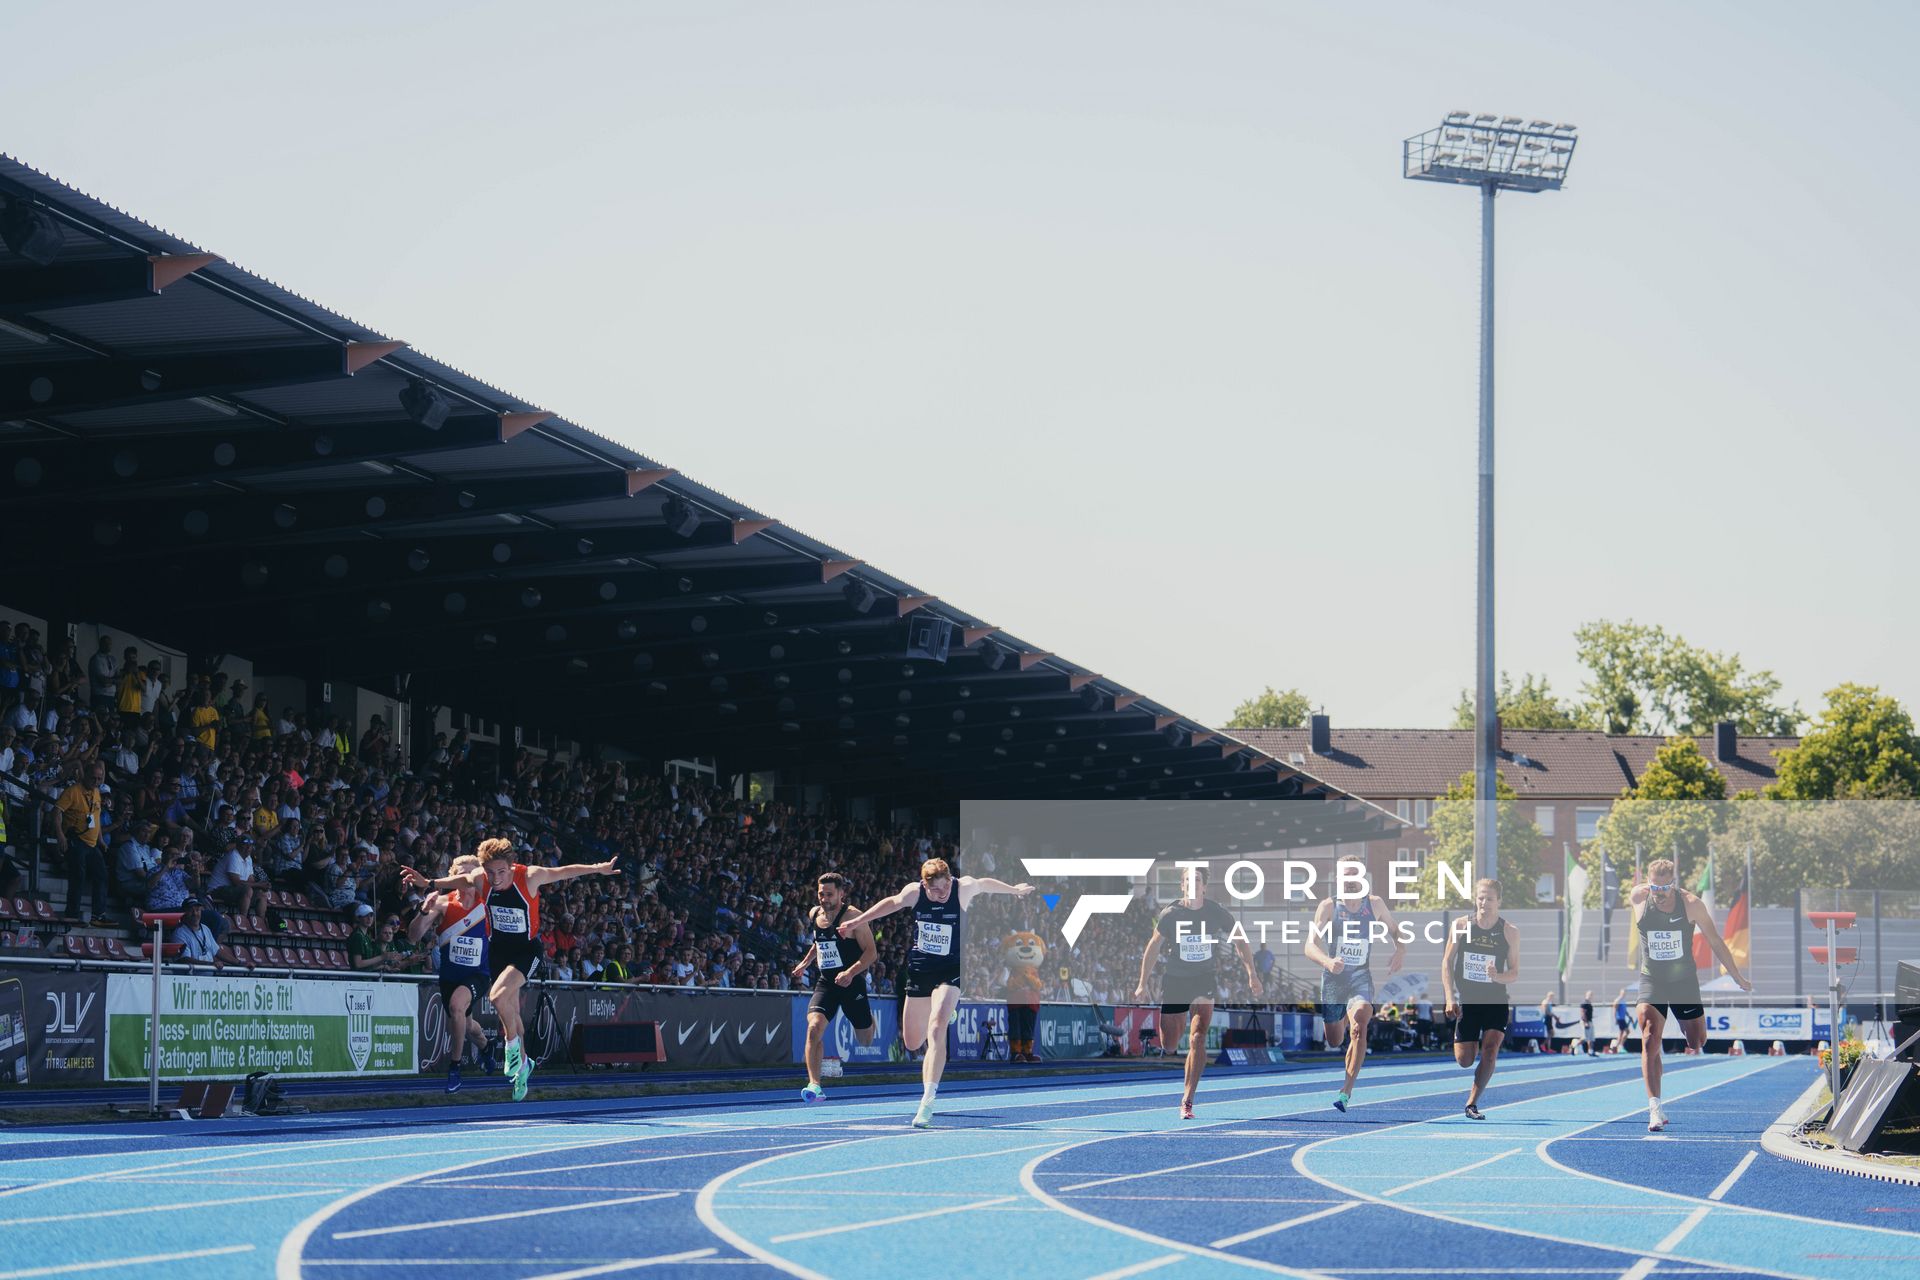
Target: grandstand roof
(195,450)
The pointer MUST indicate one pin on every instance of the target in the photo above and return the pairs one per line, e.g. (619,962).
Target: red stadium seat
(275,956)
(168,950)
(42,910)
(305,957)
(96,948)
(117,950)
(337,960)
(76,946)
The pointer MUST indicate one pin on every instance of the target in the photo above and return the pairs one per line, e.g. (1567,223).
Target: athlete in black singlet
(841,983)
(1482,961)
(933,963)
(1666,916)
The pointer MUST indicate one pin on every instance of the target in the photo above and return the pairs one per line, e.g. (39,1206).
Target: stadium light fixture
(1495,154)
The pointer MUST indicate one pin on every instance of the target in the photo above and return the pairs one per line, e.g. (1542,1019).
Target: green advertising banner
(229,1026)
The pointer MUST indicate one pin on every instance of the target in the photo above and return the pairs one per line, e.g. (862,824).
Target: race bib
(1195,950)
(509,919)
(1477,966)
(1663,944)
(935,939)
(1354,951)
(827,953)
(467,950)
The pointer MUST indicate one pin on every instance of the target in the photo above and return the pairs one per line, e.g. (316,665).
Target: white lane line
(1139,1268)
(901,1164)
(1299,1164)
(887,1222)
(1451,1173)
(1229,1241)
(160,1208)
(1640,1270)
(629,1264)
(499,1217)
(1726,1185)
(1179,1168)
(614,1164)
(286,1261)
(1672,1239)
(68,1268)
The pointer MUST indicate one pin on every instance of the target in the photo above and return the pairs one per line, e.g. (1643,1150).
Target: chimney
(1726,741)
(1321,734)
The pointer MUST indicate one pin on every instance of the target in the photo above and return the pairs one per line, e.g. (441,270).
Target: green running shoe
(923,1118)
(522,1074)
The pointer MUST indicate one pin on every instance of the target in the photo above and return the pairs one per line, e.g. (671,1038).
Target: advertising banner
(52,1027)
(974,1020)
(840,1041)
(1784,1023)
(1132,1020)
(699,1027)
(218,1026)
(1069,1031)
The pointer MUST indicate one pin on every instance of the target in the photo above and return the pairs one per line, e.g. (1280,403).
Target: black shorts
(1178,994)
(829,997)
(1477,1019)
(506,952)
(923,979)
(1684,1006)
(451,980)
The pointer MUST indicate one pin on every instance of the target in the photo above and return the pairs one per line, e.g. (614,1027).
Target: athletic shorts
(451,980)
(1178,994)
(508,952)
(1477,1019)
(1338,990)
(923,979)
(829,997)
(1683,1006)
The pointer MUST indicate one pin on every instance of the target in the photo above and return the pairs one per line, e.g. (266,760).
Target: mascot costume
(1024,953)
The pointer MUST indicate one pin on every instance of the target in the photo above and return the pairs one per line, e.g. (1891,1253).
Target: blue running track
(1091,1179)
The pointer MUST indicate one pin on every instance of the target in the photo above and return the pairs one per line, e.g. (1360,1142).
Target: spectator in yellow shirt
(78,832)
(204,719)
(262,719)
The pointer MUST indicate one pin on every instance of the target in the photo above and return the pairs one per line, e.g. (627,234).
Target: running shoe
(520,1078)
(1340,1101)
(487,1064)
(1656,1116)
(1186,1111)
(512,1058)
(923,1118)
(812,1093)
(453,1078)
(1474,1113)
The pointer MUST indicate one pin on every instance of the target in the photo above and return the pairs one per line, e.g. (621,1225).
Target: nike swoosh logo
(771,1033)
(714,1036)
(740,1036)
(687,1031)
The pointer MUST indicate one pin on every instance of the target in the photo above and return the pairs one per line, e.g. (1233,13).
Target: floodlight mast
(1495,154)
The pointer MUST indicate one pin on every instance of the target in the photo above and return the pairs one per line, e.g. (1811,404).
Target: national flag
(1702,953)
(1574,879)
(1734,931)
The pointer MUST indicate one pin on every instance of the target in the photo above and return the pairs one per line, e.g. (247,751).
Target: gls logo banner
(1089,905)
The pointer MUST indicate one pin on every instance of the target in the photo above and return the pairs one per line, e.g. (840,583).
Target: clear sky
(1111,322)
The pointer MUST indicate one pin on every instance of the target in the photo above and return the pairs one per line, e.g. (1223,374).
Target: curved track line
(286,1263)
(1192,1250)
(704,1210)
(1638,1255)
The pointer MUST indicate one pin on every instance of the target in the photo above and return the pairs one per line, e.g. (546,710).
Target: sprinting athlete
(933,962)
(1666,916)
(459,920)
(840,986)
(513,932)
(1350,924)
(1196,927)
(1482,961)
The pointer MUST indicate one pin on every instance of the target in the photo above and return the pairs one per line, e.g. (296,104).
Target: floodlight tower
(1495,154)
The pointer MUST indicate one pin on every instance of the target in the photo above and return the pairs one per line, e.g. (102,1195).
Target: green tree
(1675,812)
(1530,706)
(1270,710)
(1645,680)
(1862,747)
(1451,831)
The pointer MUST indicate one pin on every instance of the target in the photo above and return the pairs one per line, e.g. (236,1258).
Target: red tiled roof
(1393,764)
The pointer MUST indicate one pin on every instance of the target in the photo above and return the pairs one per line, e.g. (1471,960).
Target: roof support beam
(106,468)
(83,283)
(76,385)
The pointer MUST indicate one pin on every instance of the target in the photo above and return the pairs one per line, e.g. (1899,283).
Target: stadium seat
(305,956)
(96,948)
(275,956)
(6,911)
(117,950)
(42,910)
(168,950)
(76,946)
